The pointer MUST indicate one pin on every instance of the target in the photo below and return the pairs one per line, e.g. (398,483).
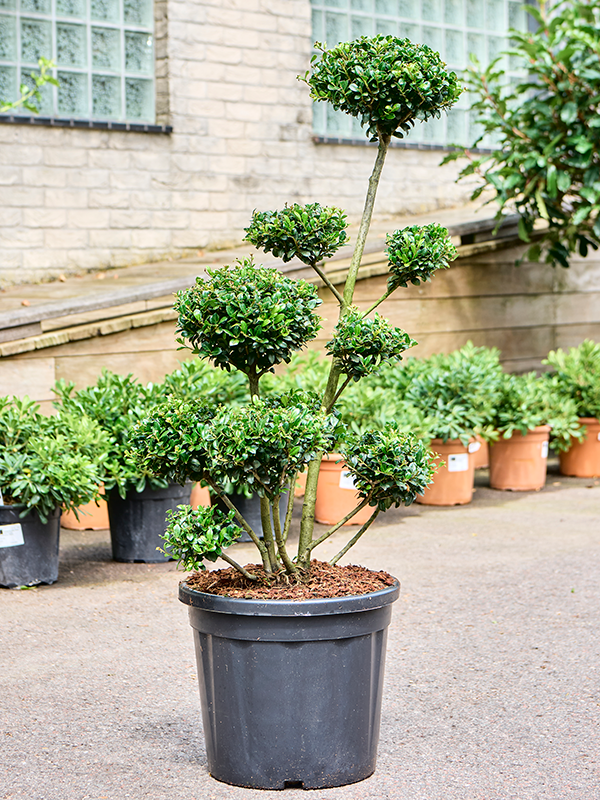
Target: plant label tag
(544,449)
(458,462)
(599,437)
(346,480)
(11,535)
(474,447)
(2,499)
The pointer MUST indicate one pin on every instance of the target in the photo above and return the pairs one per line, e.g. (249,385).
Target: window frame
(50,113)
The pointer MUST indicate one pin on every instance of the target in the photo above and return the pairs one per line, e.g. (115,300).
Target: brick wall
(73,200)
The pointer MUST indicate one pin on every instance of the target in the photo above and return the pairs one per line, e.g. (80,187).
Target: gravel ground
(492,681)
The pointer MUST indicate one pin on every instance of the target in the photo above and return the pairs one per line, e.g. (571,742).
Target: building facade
(174,119)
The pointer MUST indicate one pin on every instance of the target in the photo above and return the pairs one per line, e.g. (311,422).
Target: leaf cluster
(389,467)
(456,394)
(30,91)
(546,129)
(310,233)
(169,443)
(264,444)
(414,254)
(527,401)
(577,376)
(247,316)
(360,344)
(194,536)
(48,462)
(386,82)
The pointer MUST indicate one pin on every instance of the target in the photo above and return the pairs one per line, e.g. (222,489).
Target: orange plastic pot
(92,517)
(200,496)
(480,453)
(519,464)
(300,484)
(336,495)
(452,483)
(582,459)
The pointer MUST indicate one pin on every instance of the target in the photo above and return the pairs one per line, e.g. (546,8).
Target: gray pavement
(492,681)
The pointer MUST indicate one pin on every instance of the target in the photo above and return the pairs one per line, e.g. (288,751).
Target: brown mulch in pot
(324,580)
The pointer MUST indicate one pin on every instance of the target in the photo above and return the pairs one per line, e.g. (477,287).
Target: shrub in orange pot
(451,399)
(582,459)
(576,379)
(527,411)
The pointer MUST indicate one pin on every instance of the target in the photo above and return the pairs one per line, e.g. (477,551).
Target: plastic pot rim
(289,608)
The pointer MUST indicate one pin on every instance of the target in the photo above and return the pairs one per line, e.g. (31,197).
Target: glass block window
(103,51)
(455,28)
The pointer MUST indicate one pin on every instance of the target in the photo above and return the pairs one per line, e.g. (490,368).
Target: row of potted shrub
(467,407)
(460,402)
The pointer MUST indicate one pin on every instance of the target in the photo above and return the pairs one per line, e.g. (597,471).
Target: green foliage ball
(194,536)
(247,316)
(362,344)
(386,82)
(309,233)
(414,254)
(389,467)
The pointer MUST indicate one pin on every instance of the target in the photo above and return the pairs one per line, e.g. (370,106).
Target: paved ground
(492,684)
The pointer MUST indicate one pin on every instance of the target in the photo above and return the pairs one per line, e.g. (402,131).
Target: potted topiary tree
(276,710)
(576,378)
(46,464)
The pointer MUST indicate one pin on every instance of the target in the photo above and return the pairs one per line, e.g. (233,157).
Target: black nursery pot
(139,520)
(35,560)
(290,690)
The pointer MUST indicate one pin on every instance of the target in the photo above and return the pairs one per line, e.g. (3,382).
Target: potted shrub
(276,627)
(46,463)
(137,502)
(528,413)
(451,400)
(576,378)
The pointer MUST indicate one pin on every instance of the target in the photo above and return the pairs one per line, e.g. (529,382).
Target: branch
(283,554)
(260,545)
(290,507)
(239,567)
(338,525)
(328,283)
(267,529)
(377,303)
(355,538)
(339,392)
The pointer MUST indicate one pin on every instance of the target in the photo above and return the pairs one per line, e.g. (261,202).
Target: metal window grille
(103,51)
(455,28)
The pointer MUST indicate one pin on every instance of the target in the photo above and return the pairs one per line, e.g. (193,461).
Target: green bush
(48,462)
(546,131)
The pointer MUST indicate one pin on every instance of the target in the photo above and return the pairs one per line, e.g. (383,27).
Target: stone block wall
(73,199)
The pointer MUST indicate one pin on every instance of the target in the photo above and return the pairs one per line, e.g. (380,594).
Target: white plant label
(544,449)
(458,462)
(474,447)
(11,535)
(346,480)
(599,437)
(1,498)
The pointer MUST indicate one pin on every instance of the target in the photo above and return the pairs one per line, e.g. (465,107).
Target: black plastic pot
(36,560)
(249,508)
(138,521)
(290,691)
